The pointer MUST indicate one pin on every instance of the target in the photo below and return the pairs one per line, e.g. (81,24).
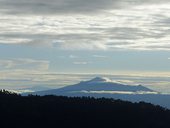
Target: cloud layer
(24,64)
(52,7)
(87,25)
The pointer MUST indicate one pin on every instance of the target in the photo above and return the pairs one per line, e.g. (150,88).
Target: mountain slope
(97,84)
(103,87)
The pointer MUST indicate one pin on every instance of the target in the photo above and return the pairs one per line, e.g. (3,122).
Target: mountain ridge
(101,88)
(97,84)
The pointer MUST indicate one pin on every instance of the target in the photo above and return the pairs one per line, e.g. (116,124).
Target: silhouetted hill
(61,112)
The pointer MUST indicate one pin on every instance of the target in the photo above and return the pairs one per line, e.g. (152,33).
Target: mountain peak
(100,80)
(99,85)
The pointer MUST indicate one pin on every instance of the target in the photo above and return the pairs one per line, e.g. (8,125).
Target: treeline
(64,112)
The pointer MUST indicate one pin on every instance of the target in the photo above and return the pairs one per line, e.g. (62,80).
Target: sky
(40,39)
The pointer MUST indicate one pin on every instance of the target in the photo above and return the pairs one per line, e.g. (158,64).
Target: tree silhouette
(84,112)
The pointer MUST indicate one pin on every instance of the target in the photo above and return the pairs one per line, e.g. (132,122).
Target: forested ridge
(78,112)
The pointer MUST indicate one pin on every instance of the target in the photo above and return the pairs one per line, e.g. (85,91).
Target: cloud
(81,46)
(116,25)
(52,7)
(24,64)
(73,57)
(81,63)
(118,92)
(100,56)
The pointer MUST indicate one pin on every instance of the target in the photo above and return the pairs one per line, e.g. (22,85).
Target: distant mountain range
(98,85)
(104,87)
(30,89)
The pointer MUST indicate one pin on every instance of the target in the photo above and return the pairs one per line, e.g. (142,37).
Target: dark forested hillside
(62,112)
